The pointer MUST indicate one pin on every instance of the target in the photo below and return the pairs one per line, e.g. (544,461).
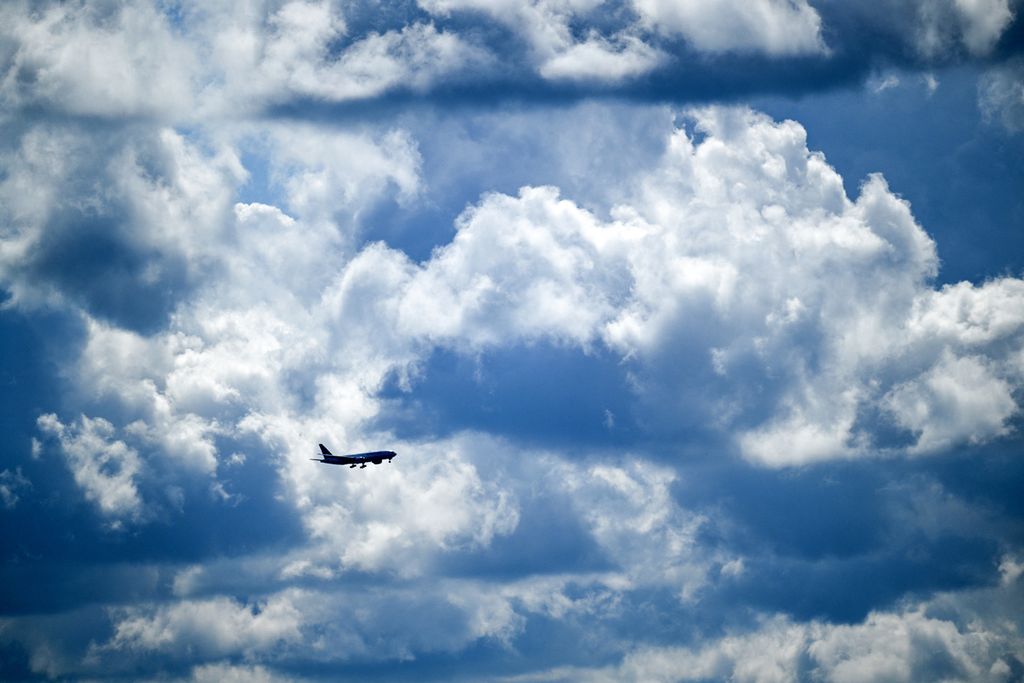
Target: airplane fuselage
(354,459)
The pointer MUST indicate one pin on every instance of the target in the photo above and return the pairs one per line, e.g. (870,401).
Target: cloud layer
(673,398)
(222,59)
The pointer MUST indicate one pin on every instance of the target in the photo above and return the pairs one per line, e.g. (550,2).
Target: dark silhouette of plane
(354,459)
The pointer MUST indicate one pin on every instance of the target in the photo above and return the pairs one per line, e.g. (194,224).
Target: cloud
(597,58)
(882,84)
(955,401)
(774,27)
(908,644)
(209,628)
(118,224)
(273,56)
(329,626)
(546,28)
(443,506)
(631,514)
(223,61)
(12,485)
(1001,94)
(213,59)
(972,24)
(414,57)
(265,226)
(103,466)
(897,647)
(343,616)
(229,673)
(1010,570)
(876,362)
(334,176)
(538,266)
(106,59)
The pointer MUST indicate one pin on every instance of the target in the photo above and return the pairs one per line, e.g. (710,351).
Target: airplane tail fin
(323,449)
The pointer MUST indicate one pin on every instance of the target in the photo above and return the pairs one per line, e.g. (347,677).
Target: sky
(697,326)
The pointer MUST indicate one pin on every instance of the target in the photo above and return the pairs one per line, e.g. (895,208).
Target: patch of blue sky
(539,395)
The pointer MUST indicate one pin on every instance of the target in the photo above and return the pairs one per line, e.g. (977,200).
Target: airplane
(354,459)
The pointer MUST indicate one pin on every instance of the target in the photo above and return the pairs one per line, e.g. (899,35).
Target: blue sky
(698,328)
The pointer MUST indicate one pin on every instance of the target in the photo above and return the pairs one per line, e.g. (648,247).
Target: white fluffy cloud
(368,624)
(774,27)
(119,224)
(971,635)
(631,514)
(904,645)
(96,59)
(227,673)
(546,27)
(972,24)
(817,301)
(600,59)
(337,616)
(436,501)
(210,59)
(283,301)
(209,628)
(741,285)
(200,61)
(296,57)
(103,466)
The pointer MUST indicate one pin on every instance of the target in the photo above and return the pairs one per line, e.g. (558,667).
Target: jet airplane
(354,459)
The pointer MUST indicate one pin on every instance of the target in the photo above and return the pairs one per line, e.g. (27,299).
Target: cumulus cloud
(270,307)
(103,466)
(223,328)
(829,361)
(211,58)
(437,502)
(775,27)
(908,644)
(886,646)
(210,628)
(546,27)
(338,616)
(975,25)
(296,61)
(228,673)
(100,59)
(370,624)
(876,361)
(631,514)
(269,55)
(598,58)
(119,225)
(223,61)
